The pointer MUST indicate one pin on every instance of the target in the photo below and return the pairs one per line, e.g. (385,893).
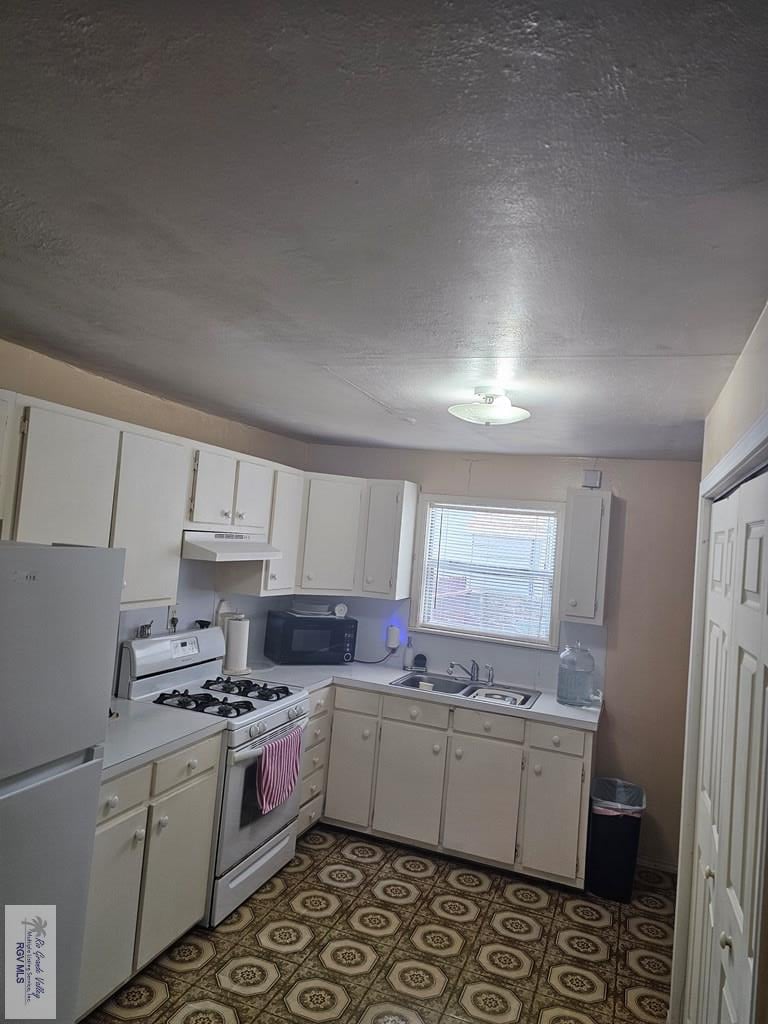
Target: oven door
(243,827)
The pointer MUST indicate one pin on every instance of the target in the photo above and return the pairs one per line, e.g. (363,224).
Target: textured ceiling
(335,219)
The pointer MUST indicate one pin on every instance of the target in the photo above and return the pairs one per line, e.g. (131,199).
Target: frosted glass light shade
(493,409)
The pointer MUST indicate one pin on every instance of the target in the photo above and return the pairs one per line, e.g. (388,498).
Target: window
(489,571)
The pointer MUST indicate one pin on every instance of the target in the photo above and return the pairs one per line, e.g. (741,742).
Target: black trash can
(616,813)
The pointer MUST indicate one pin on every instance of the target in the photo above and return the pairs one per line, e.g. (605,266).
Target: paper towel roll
(236,656)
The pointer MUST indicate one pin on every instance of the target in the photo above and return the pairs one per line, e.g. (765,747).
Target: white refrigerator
(59,611)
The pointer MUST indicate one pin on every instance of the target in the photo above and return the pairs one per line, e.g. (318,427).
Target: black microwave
(295,639)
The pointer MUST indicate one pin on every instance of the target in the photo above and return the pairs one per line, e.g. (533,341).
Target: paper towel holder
(241,622)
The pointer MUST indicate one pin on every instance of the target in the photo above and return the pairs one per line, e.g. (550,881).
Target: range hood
(228,547)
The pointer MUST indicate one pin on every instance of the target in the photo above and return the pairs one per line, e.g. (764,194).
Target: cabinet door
(552,813)
(113,907)
(177,861)
(149,516)
(333,523)
(409,782)
(483,798)
(384,510)
(67,480)
(350,768)
(214,488)
(253,500)
(284,532)
(585,549)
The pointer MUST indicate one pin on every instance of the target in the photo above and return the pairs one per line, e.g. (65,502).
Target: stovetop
(227,697)
(247,688)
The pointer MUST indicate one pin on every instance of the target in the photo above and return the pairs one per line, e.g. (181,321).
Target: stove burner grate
(205,702)
(247,688)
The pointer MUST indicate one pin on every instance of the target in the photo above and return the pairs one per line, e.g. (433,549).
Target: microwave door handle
(253,753)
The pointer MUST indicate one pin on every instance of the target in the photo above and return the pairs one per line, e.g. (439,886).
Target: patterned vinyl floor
(357,931)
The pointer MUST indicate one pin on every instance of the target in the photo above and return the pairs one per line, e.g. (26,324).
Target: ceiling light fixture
(493,409)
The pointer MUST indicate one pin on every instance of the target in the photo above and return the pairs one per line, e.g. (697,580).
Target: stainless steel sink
(436,683)
(506,696)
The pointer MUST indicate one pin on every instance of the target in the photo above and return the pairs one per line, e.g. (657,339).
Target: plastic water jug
(576,677)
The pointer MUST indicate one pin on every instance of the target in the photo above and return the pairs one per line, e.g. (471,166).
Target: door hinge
(24,423)
(517,852)
(397,497)
(524,762)
(583,773)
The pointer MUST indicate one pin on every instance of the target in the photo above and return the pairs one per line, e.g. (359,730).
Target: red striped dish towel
(279,767)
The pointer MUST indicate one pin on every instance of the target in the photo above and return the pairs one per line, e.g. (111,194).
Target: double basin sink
(487,693)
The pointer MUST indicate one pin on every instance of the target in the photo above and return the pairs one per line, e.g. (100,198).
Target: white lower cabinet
(350,768)
(482,798)
(113,905)
(176,871)
(484,785)
(409,783)
(151,859)
(552,815)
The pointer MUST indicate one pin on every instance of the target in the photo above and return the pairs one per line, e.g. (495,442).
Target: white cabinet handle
(227,513)
(321,702)
(414,712)
(555,741)
(191,765)
(708,872)
(241,515)
(312,815)
(318,733)
(369,579)
(436,748)
(313,788)
(537,769)
(726,941)
(486,726)
(366,734)
(113,801)
(309,576)
(572,603)
(139,835)
(163,822)
(459,753)
(273,575)
(315,762)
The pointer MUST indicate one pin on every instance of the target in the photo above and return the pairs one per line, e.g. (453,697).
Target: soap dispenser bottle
(408,655)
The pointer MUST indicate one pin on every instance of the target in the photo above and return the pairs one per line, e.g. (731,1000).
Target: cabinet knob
(572,603)
(318,733)
(366,734)
(241,515)
(227,513)
(486,726)
(436,748)
(113,801)
(192,764)
(459,753)
(414,712)
(313,789)
(312,815)
(309,576)
(273,575)
(321,702)
(708,872)
(555,741)
(369,579)
(163,822)
(726,941)
(537,769)
(315,762)
(139,835)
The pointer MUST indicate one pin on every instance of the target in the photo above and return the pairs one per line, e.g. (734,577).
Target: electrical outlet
(173,613)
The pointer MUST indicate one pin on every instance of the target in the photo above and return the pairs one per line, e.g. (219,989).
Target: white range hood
(228,547)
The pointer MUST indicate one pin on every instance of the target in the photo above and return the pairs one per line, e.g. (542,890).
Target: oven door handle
(254,752)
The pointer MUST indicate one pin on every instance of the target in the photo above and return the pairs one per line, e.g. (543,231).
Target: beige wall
(31,373)
(649,605)
(743,399)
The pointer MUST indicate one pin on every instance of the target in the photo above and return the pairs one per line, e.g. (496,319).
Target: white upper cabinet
(331,534)
(280,575)
(253,494)
(389,538)
(585,556)
(214,491)
(149,516)
(67,479)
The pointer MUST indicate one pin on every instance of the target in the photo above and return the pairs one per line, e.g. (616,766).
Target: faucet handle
(489,670)
(451,667)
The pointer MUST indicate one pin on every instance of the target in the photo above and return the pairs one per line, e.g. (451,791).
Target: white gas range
(183,672)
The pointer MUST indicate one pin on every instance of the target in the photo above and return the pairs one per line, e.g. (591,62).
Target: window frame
(508,505)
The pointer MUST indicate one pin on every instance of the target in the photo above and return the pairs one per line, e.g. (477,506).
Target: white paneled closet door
(730,856)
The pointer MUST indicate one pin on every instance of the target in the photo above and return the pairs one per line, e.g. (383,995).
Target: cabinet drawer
(317,730)
(422,712)
(356,700)
(320,701)
(552,737)
(312,786)
(310,814)
(500,727)
(123,793)
(186,764)
(314,758)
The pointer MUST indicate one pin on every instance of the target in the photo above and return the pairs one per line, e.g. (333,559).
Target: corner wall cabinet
(331,534)
(488,786)
(152,851)
(585,556)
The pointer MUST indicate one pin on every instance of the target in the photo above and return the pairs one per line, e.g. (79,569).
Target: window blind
(489,571)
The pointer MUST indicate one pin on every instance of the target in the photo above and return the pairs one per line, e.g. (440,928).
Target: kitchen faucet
(473,672)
